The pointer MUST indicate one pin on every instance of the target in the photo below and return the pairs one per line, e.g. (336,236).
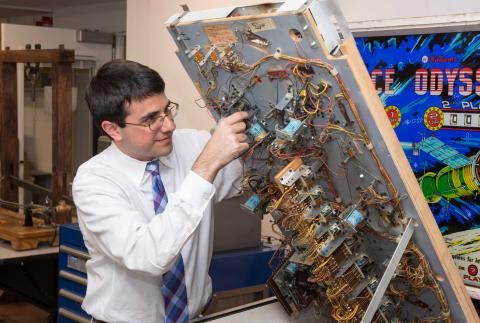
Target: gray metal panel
(234,227)
(349,172)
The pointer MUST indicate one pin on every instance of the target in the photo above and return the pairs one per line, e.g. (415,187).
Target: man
(144,203)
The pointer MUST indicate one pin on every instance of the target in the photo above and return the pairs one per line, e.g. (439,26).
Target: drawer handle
(74,252)
(72,316)
(77,279)
(71,296)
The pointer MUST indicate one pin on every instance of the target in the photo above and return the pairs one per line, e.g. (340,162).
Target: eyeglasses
(156,124)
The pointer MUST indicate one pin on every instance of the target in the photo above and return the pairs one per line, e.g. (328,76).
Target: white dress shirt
(130,246)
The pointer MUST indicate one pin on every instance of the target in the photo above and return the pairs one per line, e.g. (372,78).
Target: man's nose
(168,124)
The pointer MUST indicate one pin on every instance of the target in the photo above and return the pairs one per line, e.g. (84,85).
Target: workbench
(8,255)
(30,274)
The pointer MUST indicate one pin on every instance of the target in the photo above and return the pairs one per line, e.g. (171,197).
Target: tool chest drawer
(72,275)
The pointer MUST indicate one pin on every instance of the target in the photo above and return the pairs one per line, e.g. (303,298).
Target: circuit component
(291,130)
(256,39)
(290,173)
(253,204)
(352,217)
(257,131)
(285,100)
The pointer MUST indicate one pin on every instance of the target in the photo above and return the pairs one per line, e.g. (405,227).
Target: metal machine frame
(263,59)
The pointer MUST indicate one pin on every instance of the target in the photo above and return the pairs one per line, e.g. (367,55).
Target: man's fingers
(241,137)
(242,149)
(245,147)
(239,127)
(236,117)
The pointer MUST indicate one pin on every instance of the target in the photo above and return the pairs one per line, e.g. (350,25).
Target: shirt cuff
(195,190)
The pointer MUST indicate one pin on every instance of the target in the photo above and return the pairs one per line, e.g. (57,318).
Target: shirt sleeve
(227,181)
(114,227)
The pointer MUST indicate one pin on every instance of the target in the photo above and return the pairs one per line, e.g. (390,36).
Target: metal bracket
(307,31)
(180,16)
(389,272)
(331,24)
(181,39)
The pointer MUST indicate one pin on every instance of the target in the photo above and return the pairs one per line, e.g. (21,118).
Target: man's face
(140,142)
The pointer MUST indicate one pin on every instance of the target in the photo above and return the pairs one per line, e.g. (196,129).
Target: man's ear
(112,129)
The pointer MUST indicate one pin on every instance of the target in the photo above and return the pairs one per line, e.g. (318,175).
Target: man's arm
(118,230)
(115,228)
(227,143)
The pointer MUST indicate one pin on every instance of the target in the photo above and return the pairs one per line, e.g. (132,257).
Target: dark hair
(116,85)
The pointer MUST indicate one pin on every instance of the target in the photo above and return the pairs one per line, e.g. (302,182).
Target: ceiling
(15,8)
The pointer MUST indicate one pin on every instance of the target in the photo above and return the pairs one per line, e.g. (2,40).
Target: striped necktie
(174,290)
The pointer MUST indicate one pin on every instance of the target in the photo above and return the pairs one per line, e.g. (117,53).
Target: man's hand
(228,142)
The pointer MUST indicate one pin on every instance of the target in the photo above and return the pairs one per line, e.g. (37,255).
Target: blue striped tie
(174,290)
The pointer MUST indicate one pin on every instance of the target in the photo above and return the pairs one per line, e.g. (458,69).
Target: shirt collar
(168,160)
(133,168)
